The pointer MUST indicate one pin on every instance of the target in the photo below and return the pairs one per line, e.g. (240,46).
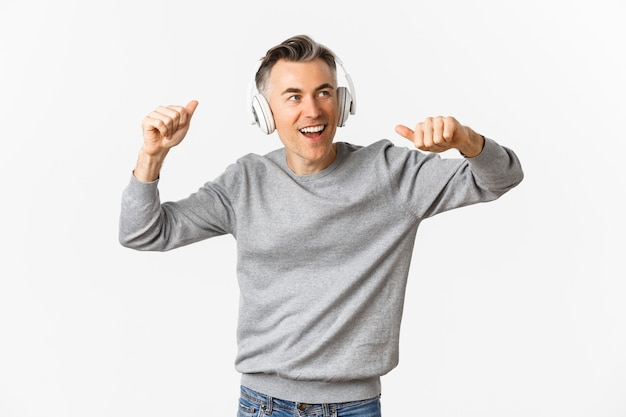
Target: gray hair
(300,48)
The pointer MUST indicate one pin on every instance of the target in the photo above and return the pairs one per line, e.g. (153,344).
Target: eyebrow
(292,90)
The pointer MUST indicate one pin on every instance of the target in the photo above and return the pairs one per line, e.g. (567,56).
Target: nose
(311,108)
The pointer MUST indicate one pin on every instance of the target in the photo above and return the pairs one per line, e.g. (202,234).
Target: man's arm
(141,217)
(488,170)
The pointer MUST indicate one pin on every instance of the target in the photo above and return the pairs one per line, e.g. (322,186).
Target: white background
(514,308)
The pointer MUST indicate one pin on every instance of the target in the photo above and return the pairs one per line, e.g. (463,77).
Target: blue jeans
(255,404)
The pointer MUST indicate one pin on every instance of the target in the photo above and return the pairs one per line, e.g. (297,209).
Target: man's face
(303,99)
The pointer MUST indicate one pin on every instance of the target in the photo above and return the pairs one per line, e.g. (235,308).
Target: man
(325,230)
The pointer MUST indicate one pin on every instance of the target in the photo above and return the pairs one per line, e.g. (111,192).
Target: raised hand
(166,127)
(163,128)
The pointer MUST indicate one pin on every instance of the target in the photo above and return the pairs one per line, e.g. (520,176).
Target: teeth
(312,129)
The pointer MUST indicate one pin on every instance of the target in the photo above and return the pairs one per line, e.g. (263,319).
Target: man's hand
(163,128)
(439,134)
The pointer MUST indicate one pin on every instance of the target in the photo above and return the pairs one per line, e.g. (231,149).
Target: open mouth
(312,131)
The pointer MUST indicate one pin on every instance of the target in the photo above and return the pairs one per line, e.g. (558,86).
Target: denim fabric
(255,404)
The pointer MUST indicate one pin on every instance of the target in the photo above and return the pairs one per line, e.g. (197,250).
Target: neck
(307,167)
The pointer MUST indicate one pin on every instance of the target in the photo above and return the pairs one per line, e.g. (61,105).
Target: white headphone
(262,114)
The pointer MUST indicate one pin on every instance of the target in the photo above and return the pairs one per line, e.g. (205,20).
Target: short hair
(300,48)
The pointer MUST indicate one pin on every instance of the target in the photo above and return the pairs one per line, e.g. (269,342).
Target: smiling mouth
(312,129)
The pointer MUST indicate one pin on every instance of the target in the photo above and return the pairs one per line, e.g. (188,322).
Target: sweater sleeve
(496,168)
(147,224)
(431,184)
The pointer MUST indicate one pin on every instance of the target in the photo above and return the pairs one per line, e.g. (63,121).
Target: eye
(295,97)
(324,93)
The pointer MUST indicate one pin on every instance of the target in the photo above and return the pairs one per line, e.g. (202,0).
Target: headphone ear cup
(263,114)
(344,102)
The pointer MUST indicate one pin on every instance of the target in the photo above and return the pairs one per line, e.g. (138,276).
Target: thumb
(405,132)
(191,107)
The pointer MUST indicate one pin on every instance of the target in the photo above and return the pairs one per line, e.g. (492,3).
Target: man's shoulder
(258,158)
(372,147)
(380,149)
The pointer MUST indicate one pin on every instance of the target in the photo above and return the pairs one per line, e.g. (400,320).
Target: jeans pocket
(247,408)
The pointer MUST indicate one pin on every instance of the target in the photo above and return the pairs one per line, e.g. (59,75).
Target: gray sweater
(323,259)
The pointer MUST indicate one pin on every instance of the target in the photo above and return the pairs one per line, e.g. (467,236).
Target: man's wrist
(475,144)
(148,167)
